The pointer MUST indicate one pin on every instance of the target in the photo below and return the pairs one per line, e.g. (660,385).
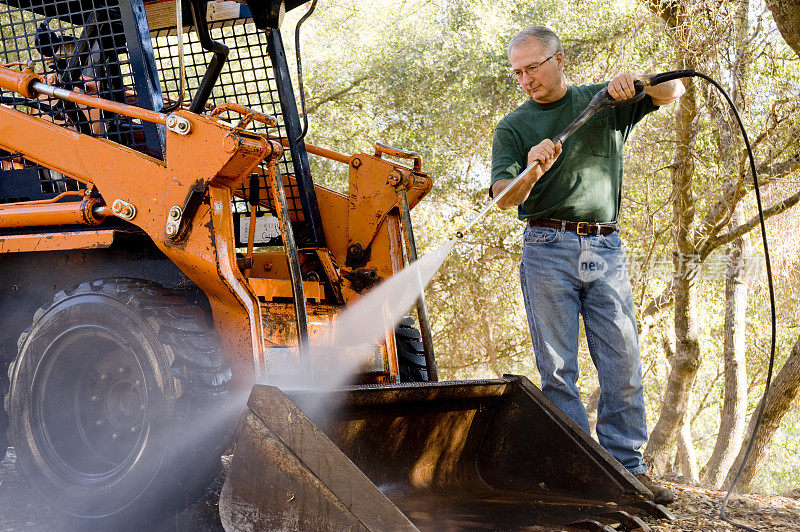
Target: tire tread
(199,370)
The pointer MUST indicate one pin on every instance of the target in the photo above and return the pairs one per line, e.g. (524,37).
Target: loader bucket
(467,455)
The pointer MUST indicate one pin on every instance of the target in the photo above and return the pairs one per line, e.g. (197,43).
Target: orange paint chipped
(57,241)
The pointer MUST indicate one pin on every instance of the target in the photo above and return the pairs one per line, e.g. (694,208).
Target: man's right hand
(545,153)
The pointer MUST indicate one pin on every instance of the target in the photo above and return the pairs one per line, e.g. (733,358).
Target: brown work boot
(661,495)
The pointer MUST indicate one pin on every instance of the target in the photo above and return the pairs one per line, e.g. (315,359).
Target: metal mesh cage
(77,45)
(102,47)
(248,79)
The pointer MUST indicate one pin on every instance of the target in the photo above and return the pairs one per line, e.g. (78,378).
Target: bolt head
(171,229)
(175,212)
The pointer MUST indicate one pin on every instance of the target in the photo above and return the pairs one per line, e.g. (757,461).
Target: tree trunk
(686,360)
(734,407)
(592,402)
(686,454)
(787,17)
(782,392)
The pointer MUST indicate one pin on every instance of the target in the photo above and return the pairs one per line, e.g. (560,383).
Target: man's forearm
(665,93)
(513,197)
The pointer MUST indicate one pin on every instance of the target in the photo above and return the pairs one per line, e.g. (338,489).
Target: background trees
(432,76)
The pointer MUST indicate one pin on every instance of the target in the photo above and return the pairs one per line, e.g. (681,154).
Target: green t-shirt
(585,183)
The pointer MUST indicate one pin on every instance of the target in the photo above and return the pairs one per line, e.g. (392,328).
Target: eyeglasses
(531,69)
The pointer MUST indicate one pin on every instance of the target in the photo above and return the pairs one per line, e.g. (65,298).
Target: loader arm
(207,163)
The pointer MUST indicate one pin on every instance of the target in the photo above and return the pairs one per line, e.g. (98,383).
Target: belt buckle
(583,228)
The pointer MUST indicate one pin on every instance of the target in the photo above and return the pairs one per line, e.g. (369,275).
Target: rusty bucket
(464,455)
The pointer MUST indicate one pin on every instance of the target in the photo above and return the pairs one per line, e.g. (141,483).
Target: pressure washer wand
(600,101)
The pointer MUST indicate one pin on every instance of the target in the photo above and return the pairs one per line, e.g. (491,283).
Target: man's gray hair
(545,36)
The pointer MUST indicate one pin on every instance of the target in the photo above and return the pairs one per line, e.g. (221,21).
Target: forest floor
(698,509)
(695,509)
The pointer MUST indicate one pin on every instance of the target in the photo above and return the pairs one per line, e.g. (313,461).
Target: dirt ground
(21,510)
(696,509)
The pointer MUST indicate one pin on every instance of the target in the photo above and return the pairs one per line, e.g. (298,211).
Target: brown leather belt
(582,228)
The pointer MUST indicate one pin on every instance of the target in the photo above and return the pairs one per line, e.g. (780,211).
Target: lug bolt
(114,436)
(95,398)
(137,382)
(99,422)
(123,370)
(134,429)
(103,377)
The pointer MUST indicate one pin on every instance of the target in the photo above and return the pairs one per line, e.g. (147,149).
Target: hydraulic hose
(300,69)
(677,74)
(217,63)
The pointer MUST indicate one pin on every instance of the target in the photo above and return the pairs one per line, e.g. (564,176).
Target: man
(572,258)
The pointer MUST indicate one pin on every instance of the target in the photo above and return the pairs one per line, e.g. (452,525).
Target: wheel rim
(90,399)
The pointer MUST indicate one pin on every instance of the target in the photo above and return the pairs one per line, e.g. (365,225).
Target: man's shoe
(661,495)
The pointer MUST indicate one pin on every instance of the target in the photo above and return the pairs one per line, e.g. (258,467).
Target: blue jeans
(563,275)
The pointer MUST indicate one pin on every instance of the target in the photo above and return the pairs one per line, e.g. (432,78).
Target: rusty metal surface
(286,475)
(482,455)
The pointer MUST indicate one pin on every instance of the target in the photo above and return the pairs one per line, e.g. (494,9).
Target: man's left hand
(621,87)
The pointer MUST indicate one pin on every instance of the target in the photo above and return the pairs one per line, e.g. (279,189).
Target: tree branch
(780,169)
(654,310)
(311,108)
(748,226)
(718,214)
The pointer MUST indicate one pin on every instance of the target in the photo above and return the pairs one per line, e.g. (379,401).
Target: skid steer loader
(164,255)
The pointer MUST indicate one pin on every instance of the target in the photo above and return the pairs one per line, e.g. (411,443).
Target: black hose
(667,76)
(215,66)
(300,69)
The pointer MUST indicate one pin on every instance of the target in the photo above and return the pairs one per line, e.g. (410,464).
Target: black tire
(117,402)
(410,352)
